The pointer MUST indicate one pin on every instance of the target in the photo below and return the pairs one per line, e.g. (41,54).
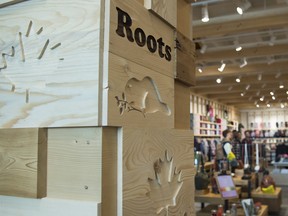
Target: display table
(213,198)
(240,212)
(274,200)
(280,164)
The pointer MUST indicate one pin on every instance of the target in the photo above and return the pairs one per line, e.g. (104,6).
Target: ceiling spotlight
(272,39)
(231,87)
(205,14)
(278,75)
(262,98)
(281,86)
(242,94)
(270,60)
(286,92)
(271,93)
(259,77)
(221,68)
(273,97)
(247,87)
(257,105)
(238,80)
(218,80)
(237,46)
(268,105)
(203,48)
(282,105)
(200,68)
(243,63)
(243,6)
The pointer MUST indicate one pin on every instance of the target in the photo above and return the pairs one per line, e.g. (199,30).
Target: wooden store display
(240,212)
(274,200)
(212,197)
(88,91)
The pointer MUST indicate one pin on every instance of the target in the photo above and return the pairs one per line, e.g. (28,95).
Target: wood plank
(184,18)
(149,98)
(165,9)
(11,206)
(185,59)
(74,163)
(63,77)
(182,106)
(142,148)
(109,171)
(145,24)
(22,170)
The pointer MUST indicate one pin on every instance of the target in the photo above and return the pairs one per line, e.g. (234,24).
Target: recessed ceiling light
(238,80)
(243,63)
(218,80)
(281,86)
(200,69)
(262,98)
(242,94)
(271,93)
(221,68)
(273,97)
(243,6)
(205,14)
(282,105)
(257,105)
(268,105)
(286,92)
(203,48)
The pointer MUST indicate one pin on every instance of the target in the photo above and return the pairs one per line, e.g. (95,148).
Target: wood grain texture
(184,18)
(61,88)
(185,60)
(182,106)
(74,163)
(11,206)
(151,25)
(109,171)
(165,9)
(141,148)
(19,164)
(133,80)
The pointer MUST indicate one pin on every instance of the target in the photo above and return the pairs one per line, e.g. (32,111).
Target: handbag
(201,177)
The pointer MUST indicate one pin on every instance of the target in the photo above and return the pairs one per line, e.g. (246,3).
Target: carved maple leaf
(166,185)
(31,57)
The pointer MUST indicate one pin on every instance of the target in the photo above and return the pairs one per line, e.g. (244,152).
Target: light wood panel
(11,206)
(149,95)
(110,160)
(61,87)
(185,59)
(151,26)
(165,9)
(182,106)
(75,163)
(184,18)
(23,162)
(142,149)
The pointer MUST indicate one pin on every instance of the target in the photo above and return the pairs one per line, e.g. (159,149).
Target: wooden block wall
(165,9)
(138,89)
(57,84)
(147,194)
(23,156)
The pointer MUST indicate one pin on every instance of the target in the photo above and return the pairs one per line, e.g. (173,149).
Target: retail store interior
(143,107)
(241,75)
